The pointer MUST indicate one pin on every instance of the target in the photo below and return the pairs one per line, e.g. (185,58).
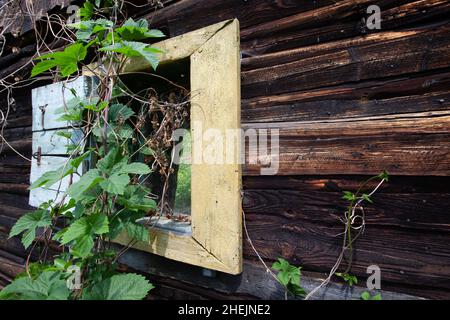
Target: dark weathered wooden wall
(349,102)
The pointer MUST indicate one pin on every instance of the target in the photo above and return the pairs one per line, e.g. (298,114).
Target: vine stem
(347,242)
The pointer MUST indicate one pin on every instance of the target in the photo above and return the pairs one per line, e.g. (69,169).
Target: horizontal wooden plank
(412,211)
(254,282)
(405,257)
(340,183)
(178,16)
(306,32)
(402,145)
(338,108)
(412,54)
(12,174)
(351,100)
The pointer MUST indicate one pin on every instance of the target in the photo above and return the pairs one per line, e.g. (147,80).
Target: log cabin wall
(349,102)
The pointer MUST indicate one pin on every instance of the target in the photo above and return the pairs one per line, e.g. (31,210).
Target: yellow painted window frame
(216,204)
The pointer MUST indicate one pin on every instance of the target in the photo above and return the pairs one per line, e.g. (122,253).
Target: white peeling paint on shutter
(53,144)
(48,99)
(49,149)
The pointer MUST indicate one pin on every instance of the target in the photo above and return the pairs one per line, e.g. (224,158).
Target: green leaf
(348,278)
(77,229)
(96,223)
(86,182)
(75,163)
(108,162)
(119,111)
(133,168)
(87,28)
(135,49)
(83,246)
(136,198)
(51,177)
(116,183)
(119,287)
(81,233)
(147,151)
(48,286)
(289,276)
(349,196)
(365,295)
(97,107)
(65,134)
(67,61)
(377,297)
(366,197)
(28,224)
(384,175)
(137,30)
(87,11)
(137,231)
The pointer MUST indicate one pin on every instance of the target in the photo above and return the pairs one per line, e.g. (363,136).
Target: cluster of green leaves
(50,283)
(353,197)
(348,278)
(289,276)
(107,199)
(101,35)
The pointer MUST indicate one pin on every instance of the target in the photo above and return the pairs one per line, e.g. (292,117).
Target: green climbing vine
(112,194)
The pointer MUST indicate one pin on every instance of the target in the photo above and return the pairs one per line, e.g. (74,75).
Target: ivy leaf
(28,224)
(128,286)
(137,231)
(86,182)
(135,49)
(137,30)
(116,183)
(47,286)
(67,61)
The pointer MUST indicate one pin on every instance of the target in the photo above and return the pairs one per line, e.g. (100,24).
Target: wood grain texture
(215,188)
(289,82)
(400,144)
(216,239)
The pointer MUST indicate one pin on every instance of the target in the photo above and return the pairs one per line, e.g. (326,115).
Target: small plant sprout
(289,276)
(348,278)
